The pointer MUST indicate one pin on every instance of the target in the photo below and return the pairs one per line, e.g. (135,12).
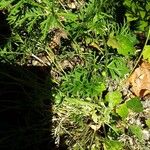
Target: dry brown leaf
(140,80)
(56,38)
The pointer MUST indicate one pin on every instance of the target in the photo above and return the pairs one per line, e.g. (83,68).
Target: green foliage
(81,84)
(84,82)
(113,98)
(146,52)
(29,14)
(33,20)
(137,131)
(113,145)
(135,105)
(123,41)
(138,12)
(118,67)
(122,111)
(84,107)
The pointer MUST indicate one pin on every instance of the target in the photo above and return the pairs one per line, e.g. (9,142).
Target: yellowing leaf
(94,117)
(113,98)
(146,52)
(112,42)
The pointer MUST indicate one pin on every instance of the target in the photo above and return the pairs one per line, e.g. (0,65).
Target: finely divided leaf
(118,68)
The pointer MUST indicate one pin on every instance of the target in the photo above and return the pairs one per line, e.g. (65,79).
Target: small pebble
(146,135)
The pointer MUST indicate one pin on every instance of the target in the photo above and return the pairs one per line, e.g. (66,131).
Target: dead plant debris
(140,80)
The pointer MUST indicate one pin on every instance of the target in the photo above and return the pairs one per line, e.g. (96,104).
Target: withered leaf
(140,80)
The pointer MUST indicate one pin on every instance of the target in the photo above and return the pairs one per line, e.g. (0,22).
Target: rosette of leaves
(82,83)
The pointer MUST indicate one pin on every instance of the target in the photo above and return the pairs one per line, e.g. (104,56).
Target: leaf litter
(140,80)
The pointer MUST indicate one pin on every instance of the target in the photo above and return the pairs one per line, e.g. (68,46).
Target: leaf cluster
(84,105)
(137,14)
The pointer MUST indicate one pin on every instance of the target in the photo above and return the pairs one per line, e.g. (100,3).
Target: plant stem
(106,54)
(141,52)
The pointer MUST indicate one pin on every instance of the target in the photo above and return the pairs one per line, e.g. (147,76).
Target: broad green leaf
(126,43)
(112,145)
(148,123)
(146,52)
(113,98)
(122,111)
(137,131)
(123,43)
(135,105)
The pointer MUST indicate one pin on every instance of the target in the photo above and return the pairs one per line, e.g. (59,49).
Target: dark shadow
(25,102)
(25,108)
(5,31)
(120,13)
